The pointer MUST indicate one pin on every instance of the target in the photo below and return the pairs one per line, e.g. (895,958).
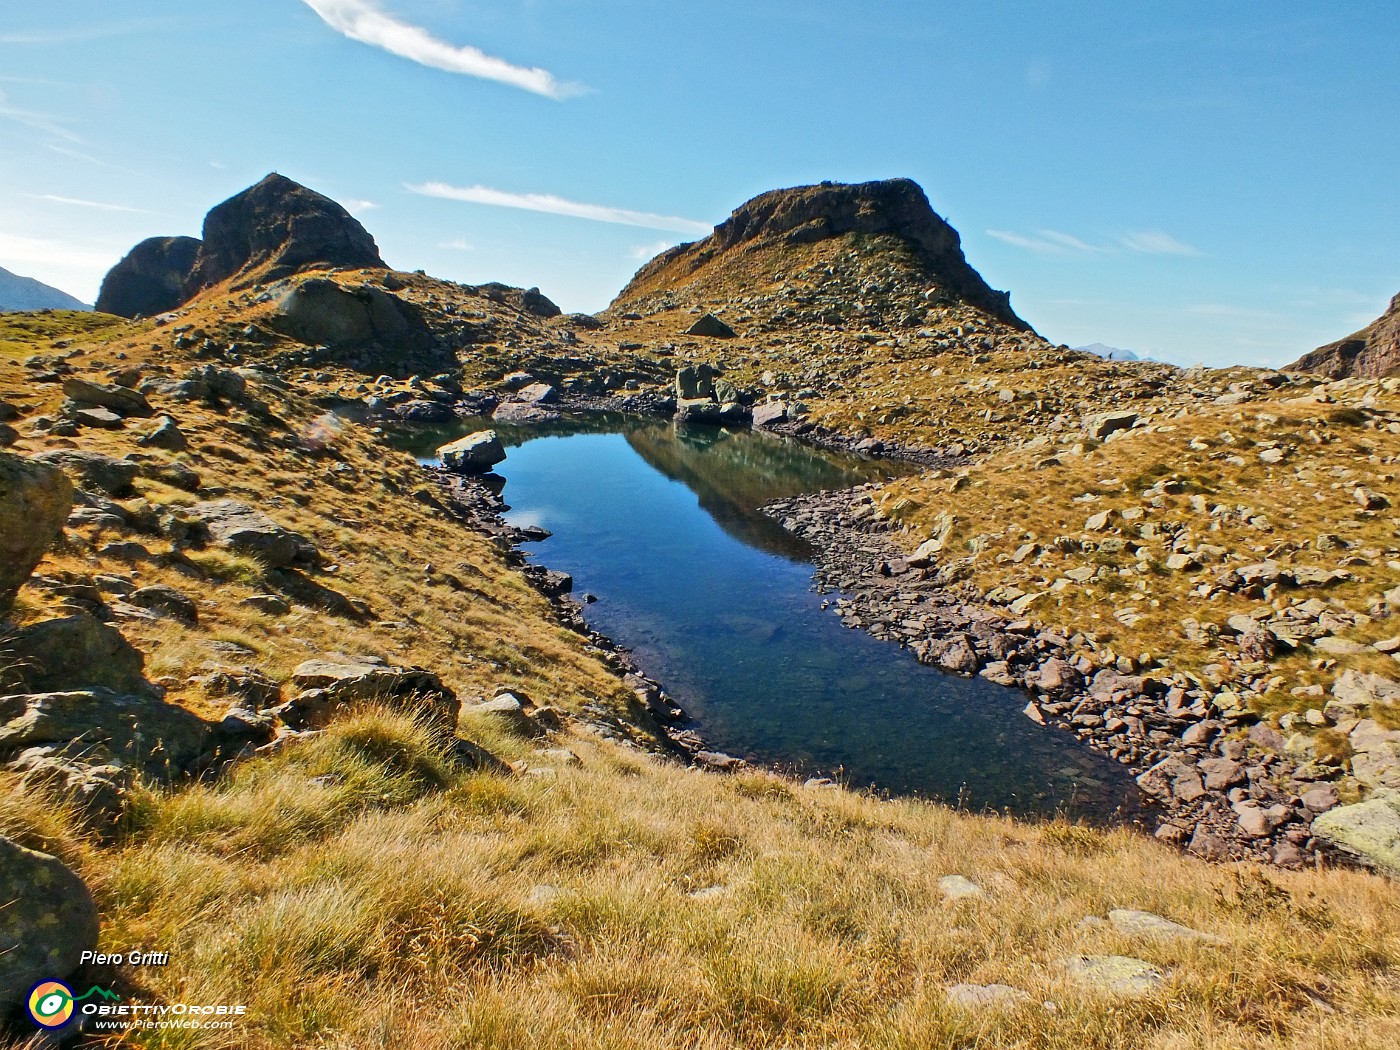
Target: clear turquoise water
(717,603)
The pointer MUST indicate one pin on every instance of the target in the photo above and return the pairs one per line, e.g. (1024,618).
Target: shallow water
(717,603)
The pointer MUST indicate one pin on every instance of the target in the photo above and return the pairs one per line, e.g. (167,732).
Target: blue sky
(1207,182)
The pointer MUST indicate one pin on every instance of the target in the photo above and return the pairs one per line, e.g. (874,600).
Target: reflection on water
(716,602)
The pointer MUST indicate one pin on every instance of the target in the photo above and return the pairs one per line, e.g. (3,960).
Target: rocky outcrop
(277,228)
(271,230)
(332,683)
(35,499)
(1369,831)
(781,220)
(72,652)
(47,922)
(1374,351)
(91,471)
(150,279)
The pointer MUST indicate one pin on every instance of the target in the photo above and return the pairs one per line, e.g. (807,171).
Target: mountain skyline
(18,292)
(555,145)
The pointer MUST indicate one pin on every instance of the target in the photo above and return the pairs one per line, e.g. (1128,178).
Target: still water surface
(717,603)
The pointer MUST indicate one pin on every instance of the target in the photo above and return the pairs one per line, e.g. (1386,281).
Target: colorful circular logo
(51,1004)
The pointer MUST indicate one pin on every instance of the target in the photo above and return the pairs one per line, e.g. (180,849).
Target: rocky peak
(1373,352)
(279,227)
(269,231)
(783,220)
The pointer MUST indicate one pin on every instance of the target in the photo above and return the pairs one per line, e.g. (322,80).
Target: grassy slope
(357,892)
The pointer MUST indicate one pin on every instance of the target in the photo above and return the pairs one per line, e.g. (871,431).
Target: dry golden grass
(357,891)
(626,902)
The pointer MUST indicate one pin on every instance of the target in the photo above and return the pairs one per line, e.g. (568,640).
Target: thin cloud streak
(80,203)
(80,34)
(1155,242)
(362,20)
(546,202)
(1044,242)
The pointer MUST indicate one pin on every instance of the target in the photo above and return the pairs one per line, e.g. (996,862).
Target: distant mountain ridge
(26,293)
(271,230)
(1372,352)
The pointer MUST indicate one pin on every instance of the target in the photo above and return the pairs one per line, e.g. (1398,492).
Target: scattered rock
(1115,974)
(48,921)
(92,470)
(1143,923)
(473,454)
(985,996)
(712,327)
(87,394)
(239,527)
(35,498)
(959,887)
(332,683)
(1369,831)
(72,652)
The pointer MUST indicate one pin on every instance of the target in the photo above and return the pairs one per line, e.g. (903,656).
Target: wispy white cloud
(1045,242)
(362,20)
(457,245)
(553,205)
(358,207)
(78,34)
(80,203)
(30,118)
(1155,242)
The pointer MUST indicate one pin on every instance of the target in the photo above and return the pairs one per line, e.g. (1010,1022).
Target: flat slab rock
(959,887)
(1115,974)
(985,996)
(1144,923)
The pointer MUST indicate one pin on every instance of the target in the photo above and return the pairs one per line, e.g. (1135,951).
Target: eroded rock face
(1374,351)
(150,279)
(35,499)
(48,921)
(281,225)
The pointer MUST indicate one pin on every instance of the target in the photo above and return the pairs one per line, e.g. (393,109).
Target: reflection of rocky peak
(150,279)
(269,231)
(781,221)
(1373,351)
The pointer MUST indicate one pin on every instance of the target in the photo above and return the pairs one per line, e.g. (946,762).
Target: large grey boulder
(473,454)
(119,399)
(1368,831)
(711,327)
(47,920)
(92,470)
(72,652)
(35,499)
(104,727)
(239,527)
(320,311)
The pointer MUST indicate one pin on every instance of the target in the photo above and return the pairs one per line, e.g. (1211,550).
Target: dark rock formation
(269,231)
(279,227)
(1373,352)
(151,279)
(810,214)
